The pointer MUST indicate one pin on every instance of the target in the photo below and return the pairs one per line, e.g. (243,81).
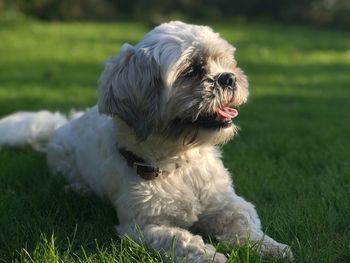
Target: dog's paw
(276,250)
(219,258)
(286,252)
(211,256)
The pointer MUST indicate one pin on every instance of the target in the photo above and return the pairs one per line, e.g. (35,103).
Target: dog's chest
(178,198)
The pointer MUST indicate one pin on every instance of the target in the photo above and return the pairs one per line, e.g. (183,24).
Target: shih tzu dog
(149,145)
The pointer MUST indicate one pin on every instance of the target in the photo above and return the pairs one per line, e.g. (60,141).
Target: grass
(291,158)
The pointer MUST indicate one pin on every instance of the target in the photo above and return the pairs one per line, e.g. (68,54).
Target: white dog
(149,145)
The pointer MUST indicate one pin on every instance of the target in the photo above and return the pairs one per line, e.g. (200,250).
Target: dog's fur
(152,98)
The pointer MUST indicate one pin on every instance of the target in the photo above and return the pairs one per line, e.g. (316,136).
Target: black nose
(227,80)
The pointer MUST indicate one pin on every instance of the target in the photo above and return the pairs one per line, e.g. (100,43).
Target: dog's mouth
(221,118)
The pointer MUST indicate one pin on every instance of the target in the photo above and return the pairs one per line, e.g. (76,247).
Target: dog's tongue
(227,113)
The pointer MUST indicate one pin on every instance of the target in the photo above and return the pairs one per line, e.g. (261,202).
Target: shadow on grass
(34,204)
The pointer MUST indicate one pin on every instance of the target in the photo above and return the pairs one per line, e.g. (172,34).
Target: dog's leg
(236,220)
(165,238)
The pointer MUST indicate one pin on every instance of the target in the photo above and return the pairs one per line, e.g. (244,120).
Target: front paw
(286,252)
(218,258)
(210,256)
(275,249)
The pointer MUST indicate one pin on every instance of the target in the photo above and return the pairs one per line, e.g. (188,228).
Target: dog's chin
(211,122)
(205,130)
(215,132)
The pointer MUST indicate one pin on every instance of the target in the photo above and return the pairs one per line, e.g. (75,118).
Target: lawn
(291,158)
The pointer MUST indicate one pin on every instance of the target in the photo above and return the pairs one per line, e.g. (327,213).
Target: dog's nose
(227,80)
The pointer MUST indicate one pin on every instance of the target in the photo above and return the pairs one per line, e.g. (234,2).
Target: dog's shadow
(36,208)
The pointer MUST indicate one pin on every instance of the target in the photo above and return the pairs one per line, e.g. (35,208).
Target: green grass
(291,158)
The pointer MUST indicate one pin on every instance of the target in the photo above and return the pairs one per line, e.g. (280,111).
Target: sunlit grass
(291,158)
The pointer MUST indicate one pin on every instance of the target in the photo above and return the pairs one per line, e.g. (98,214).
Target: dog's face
(180,82)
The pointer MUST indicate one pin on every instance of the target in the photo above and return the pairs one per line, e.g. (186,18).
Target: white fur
(31,128)
(140,92)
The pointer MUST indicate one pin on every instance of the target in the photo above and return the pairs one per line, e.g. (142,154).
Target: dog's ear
(108,80)
(130,89)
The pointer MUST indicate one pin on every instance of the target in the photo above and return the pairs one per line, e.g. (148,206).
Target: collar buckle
(146,171)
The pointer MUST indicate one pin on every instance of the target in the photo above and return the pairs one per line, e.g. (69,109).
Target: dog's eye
(194,70)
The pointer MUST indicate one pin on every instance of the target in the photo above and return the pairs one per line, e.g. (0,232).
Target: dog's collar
(141,167)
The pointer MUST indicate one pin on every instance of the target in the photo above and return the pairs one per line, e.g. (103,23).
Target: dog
(150,145)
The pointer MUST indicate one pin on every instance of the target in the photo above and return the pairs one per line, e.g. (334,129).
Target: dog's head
(181,81)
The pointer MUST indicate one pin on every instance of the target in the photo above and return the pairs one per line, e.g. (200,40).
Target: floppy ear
(130,89)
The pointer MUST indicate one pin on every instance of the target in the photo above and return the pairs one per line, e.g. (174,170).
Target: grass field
(291,158)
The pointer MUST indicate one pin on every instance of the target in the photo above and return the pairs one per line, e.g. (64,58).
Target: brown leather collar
(144,170)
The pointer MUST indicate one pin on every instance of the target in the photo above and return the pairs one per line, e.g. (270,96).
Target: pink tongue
(227,113)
